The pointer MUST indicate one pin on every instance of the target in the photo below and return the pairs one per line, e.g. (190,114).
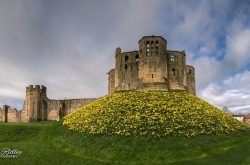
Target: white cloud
(67,46)
(207,70)
(238,52)
(234,93)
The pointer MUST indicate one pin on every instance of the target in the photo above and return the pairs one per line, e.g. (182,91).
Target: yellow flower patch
(155,113)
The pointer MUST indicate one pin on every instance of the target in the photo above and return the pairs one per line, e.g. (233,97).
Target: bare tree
(226,109)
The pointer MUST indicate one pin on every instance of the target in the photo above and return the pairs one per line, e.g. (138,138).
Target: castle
(153,67)
(38,107)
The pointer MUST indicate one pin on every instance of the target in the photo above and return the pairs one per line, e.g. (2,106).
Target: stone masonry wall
(153,67)
(8,114)
(37,107)
(57,109)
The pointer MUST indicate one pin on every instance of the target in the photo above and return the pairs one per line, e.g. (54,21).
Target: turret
(190,79)
(34,100)
(176,69)
(118,63)
(111,81)
(153,63)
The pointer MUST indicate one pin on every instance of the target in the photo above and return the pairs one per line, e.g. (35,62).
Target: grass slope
(154,113)
(51,143)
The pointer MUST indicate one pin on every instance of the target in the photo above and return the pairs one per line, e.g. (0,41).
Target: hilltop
(154,113)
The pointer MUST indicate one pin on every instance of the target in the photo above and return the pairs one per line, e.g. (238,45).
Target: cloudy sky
(69,46)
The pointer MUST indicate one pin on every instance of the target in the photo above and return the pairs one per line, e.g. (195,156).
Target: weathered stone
(37,107)
(153,67)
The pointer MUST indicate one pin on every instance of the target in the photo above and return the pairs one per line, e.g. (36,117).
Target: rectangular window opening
(172,58)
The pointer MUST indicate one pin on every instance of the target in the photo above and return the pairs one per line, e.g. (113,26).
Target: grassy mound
(47,143)
(154,113)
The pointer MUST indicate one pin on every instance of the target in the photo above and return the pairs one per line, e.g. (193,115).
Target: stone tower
(36,103)
(152,64)
(153,67)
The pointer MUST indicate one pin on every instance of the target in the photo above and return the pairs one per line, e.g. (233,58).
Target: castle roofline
(55,100)
(152,37)
(190,66)
(130,52)
(179,51)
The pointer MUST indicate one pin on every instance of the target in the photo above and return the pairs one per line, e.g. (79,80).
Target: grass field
(52,143)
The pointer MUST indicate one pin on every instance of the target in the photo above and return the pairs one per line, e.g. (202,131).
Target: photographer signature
(8,153)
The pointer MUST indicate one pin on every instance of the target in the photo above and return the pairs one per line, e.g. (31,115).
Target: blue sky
(69,46)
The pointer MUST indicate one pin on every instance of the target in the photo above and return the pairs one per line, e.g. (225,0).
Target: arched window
(152,45)
(157,43)
(157,47)
(126,66)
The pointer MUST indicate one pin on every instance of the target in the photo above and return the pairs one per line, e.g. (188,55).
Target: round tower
(153,63)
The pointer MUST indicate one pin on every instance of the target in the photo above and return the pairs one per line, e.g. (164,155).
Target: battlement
(39,88)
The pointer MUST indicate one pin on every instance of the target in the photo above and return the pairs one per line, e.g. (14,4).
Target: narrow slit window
(173,70)
(126,66)
(152,75)
(156,50)
(137,57)
(126,58)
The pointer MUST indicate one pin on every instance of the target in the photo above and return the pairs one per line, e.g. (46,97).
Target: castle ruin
(153,67)
(38,107)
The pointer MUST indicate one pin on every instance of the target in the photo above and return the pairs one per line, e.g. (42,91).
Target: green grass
(52,143)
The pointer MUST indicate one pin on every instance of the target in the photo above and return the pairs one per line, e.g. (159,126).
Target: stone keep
(153,67)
